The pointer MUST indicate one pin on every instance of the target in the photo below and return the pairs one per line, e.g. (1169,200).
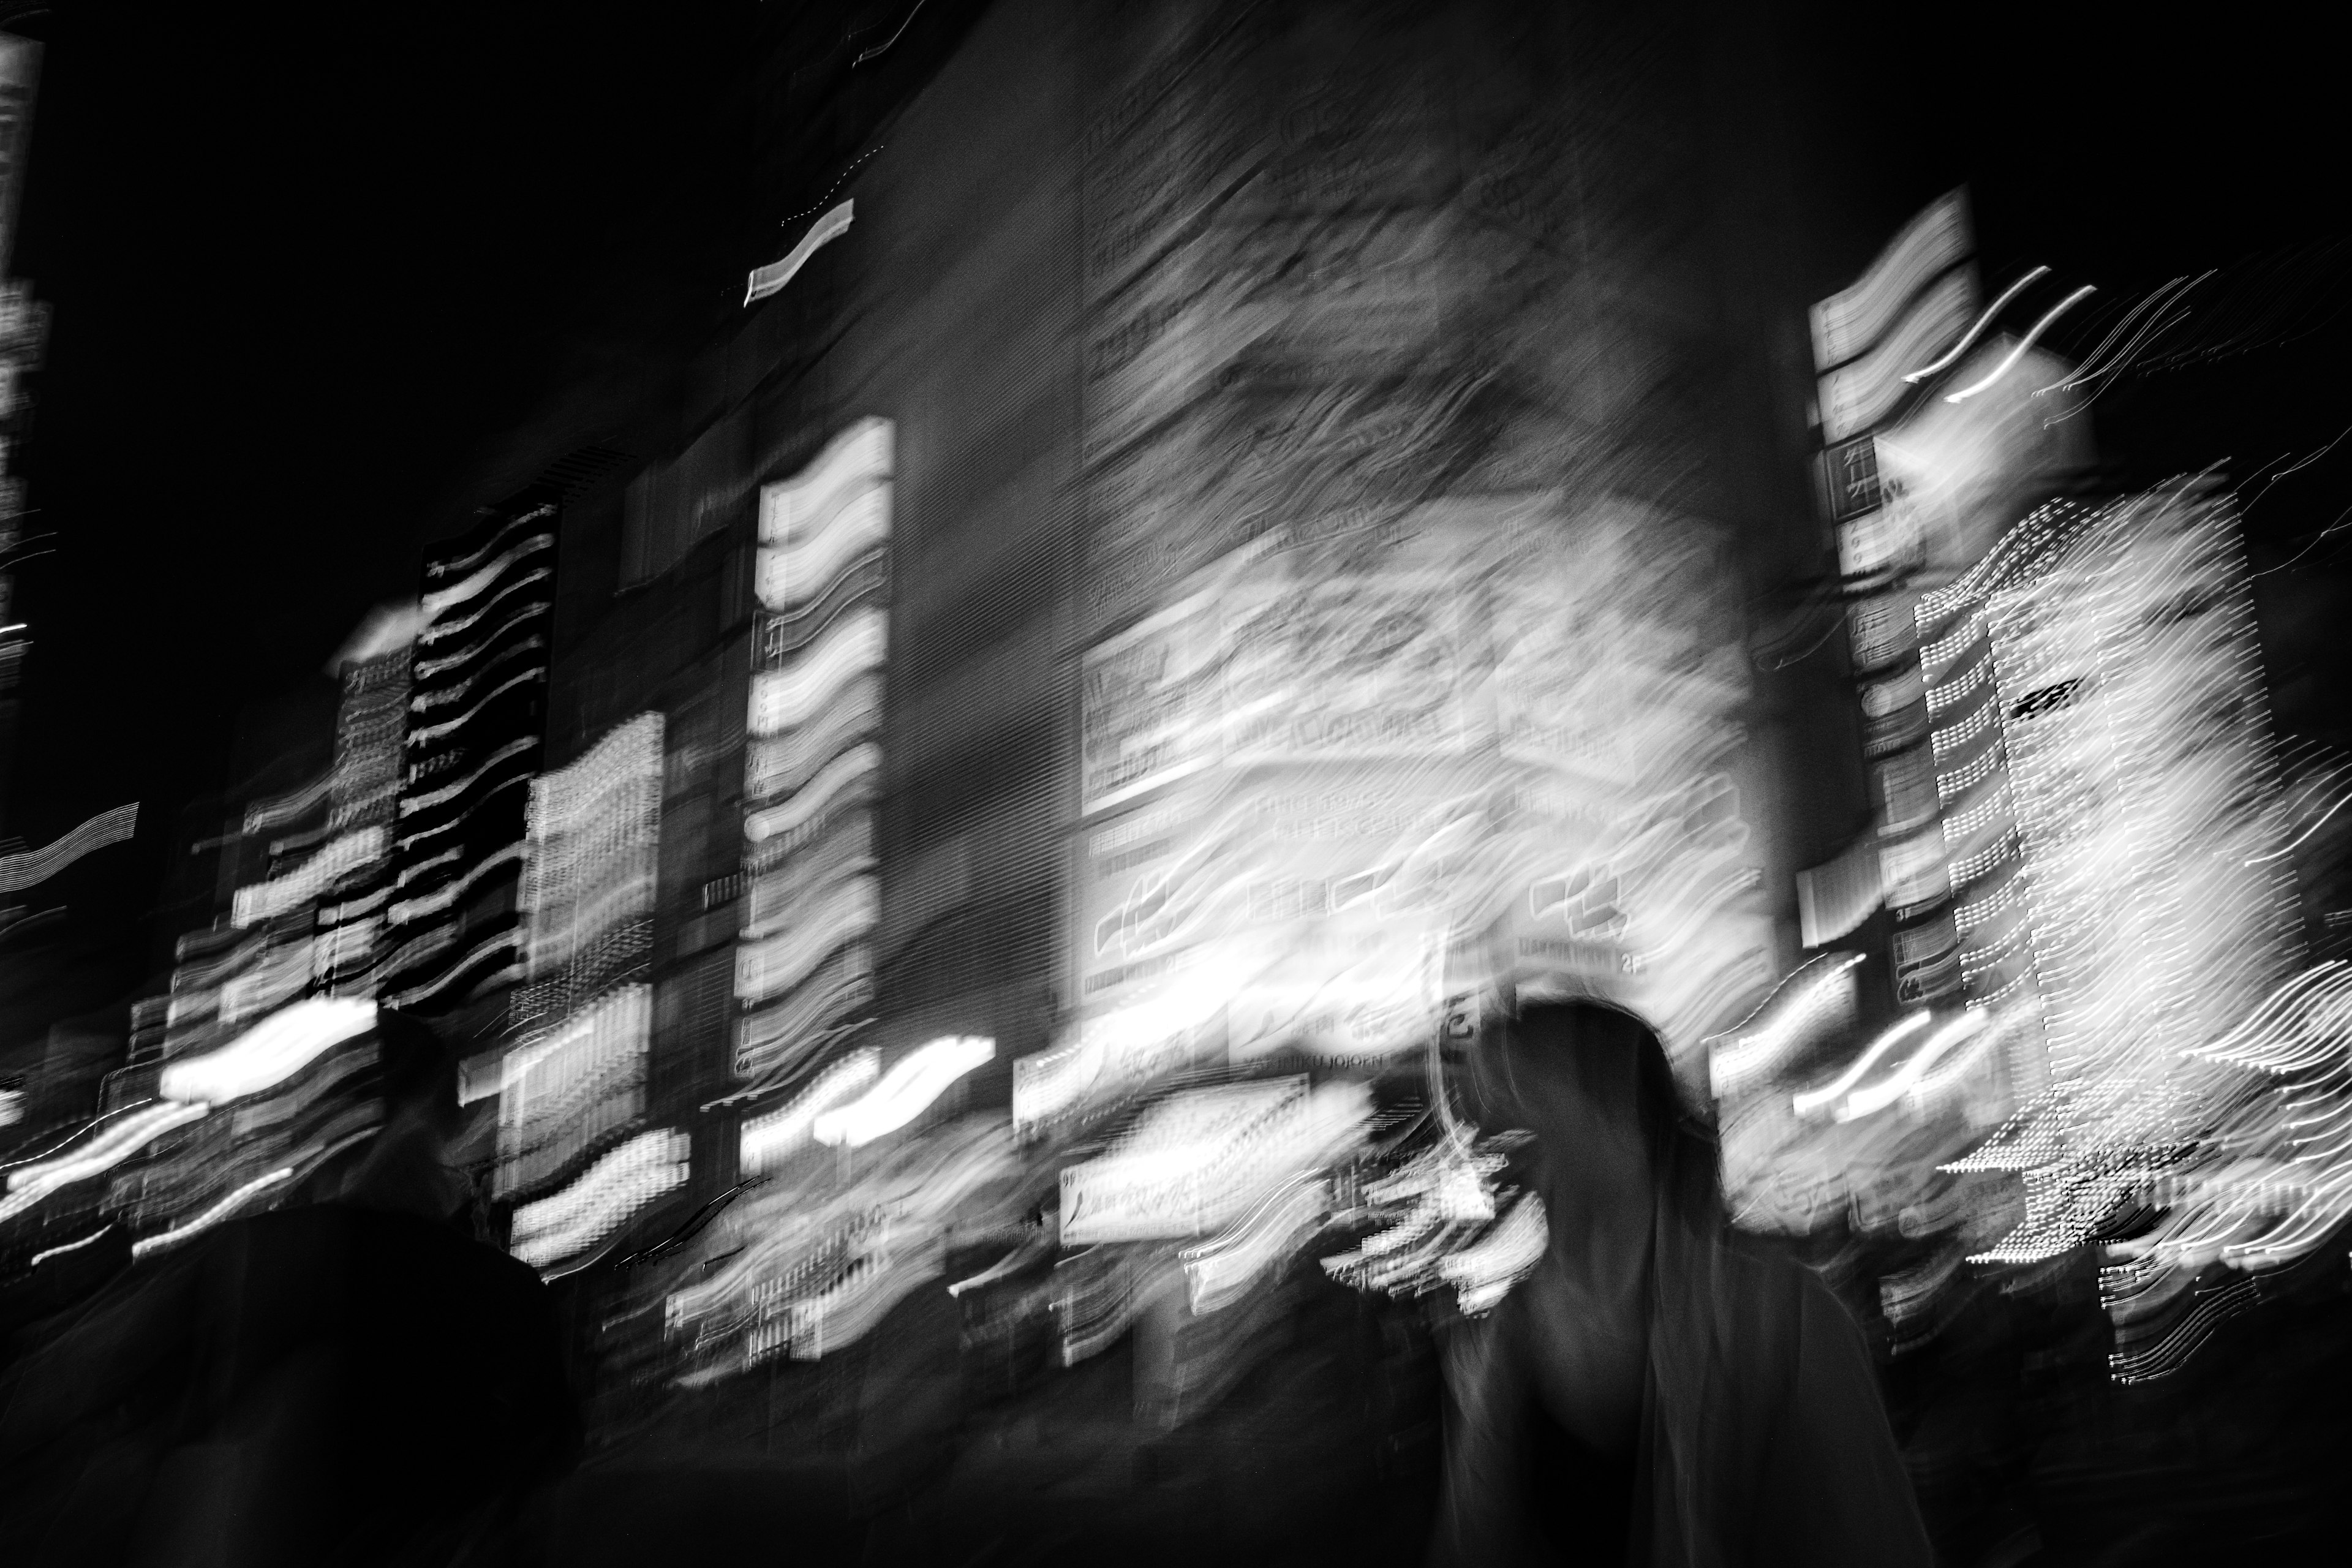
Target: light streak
(766,1141)
(788,222)
(1818,990)
(1814,1099)
(279,810)
(903,1093)
(1851,320)
(1952,356)
(411,805)
(211,1217)
(28,1185)
(615,1187)
(33,866)
(1895,1085)
(766,280)
(267,900)
(2300,839)
(1202,1158)
(781,698)
(572,1085)
(271,1052)
(1219,1272)
(809,804)
(886,44)
(1033,1247)
(41,1257)
(2002,369)
(2090,368)
(434,604)
(1484,1273)
(427,735)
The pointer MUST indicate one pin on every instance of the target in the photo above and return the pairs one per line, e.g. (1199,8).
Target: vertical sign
(805,966)
(1911,304)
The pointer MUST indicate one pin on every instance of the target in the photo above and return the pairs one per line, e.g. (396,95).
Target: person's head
(1594,1085)
(405,1167)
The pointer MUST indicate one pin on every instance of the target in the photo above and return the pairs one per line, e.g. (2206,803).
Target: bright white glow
(431,606)
(572,1085)
(1203,1158)
(1821,991)
(595,1206)
(1952,356)
(1887,1091)
(905,1092)
(1814,1099)
(766,280)
(792,695)
(271,1052)
(2011,359)
(1484,1273)
(41,1257)
(588,878)
(1849,321)
(768,1141)
(211,1217)
(265,900)
(1220,1272)
(809,803)
(29,1183)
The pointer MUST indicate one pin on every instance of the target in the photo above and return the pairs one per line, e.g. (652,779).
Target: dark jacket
(1744,1422)
(327,1385)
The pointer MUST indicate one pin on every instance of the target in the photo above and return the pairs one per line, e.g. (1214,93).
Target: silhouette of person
(351,1379)
(1656,1392)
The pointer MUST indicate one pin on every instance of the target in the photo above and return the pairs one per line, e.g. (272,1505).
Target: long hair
(1616,1065)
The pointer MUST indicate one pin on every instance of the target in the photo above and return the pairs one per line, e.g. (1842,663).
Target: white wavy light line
(434,603)
(766,280)
(885,45)
(2060,308)
(1879,1096)
(18,872)
(41,1257)
(1813,1100)
(29,1184)
(2322,821)
(211,1217)
(1952,356)
(431,732)
(2161,300)
(467,564)
(904,1092)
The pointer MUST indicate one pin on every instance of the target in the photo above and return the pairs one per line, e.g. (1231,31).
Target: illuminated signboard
(1325,794)
(589,868)
(805,966)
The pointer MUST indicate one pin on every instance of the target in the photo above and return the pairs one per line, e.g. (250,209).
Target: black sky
(313,268)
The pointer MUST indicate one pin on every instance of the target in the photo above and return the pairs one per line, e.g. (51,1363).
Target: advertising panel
(1351,775)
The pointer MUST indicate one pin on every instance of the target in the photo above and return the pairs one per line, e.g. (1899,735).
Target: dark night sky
(307,268)
(311,269)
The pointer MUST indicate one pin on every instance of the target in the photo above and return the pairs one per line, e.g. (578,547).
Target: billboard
(1344,777)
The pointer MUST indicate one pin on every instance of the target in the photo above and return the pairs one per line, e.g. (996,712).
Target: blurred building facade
(949,578)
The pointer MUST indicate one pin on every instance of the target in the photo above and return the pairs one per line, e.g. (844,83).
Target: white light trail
(1952,356)
(768,1141)
(1814,1099)
(211,1217)
(904,1093)
(2002,369)
(271,1052)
